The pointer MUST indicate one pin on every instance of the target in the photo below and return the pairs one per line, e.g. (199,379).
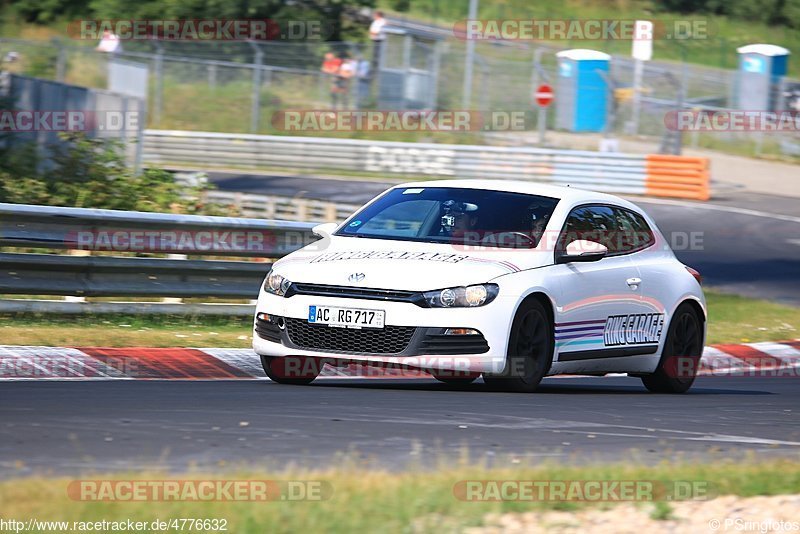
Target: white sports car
(510,280)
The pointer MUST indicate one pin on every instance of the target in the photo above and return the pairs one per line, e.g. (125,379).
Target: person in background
(362,75)
(346,72)
(109,43)
(331,66)
(377,35)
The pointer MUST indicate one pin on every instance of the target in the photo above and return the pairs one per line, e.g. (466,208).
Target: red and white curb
(141,363)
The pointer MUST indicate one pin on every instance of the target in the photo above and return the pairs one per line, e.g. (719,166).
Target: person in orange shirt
(331,66)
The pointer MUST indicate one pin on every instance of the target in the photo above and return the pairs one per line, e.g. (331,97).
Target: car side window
(637,233)
(620,230)
(592,223)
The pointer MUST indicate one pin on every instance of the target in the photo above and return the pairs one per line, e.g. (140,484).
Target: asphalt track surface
(101,426)
(740,242)
(85,426)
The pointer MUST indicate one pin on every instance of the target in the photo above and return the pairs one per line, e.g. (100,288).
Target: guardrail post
(301,210)
(74,298)
(174,300)
(330,212)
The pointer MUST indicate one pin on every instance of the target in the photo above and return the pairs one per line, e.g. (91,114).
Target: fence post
(158,97)
(466,95)
(255,109)
(437,58)
(212,77)
(61,61)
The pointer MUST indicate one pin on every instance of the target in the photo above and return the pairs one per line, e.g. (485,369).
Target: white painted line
(716,207)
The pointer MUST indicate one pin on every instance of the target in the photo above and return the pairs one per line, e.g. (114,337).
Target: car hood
(390,264)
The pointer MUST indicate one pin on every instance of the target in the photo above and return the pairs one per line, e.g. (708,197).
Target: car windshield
(454,215)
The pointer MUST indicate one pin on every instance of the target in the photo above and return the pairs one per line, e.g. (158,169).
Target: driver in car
(459,219)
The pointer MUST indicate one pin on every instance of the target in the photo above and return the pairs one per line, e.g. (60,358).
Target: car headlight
(462,297)
(276,284)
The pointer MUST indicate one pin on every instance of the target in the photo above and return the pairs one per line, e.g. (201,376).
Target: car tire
(676,374)
(530,351)
(456,380)
(291,370)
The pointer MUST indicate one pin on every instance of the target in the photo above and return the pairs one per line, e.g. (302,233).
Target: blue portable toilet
(581,92)
(761,66)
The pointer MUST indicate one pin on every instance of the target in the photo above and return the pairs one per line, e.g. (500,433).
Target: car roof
(570,195)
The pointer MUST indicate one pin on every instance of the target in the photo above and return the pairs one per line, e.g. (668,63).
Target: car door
(655,265)
(598,302)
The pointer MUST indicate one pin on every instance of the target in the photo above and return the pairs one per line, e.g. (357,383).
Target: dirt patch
(779,513)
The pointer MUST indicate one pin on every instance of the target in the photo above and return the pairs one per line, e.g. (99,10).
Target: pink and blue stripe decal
(580,332)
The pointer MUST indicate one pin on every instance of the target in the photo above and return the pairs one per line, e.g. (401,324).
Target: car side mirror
(582,251)
(324,230)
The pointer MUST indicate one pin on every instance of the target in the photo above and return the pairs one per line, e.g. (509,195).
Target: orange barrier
(677,176)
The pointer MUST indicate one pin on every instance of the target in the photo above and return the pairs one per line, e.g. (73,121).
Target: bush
(91,173)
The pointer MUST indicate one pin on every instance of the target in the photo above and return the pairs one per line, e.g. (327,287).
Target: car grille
(388,340)
(442,344)
(397,295)
(268,330)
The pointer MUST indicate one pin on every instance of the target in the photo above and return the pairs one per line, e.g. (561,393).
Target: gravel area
(779,513)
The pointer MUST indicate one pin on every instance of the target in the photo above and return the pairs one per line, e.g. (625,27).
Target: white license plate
(346,317)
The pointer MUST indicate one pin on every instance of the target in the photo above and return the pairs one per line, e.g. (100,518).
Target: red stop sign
(544,95)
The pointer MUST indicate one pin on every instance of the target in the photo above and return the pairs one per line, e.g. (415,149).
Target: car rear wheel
(293,370)
(683,348)
(530,351)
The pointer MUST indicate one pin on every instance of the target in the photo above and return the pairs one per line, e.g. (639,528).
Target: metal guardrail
(95,229)
(603,171)
(284,208)
(103,276)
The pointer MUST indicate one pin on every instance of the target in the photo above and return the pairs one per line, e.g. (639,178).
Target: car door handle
(633,283)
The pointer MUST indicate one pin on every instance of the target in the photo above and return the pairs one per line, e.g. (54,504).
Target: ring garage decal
(635,329)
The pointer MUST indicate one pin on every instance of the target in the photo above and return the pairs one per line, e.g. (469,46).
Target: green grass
(717,50)
(732,319)
(361,500)
(126,331)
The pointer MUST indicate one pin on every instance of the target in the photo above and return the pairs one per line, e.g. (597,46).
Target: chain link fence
(237,86)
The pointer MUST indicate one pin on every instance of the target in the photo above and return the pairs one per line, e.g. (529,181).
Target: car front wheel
(452,378)
(294,370)
(530,351)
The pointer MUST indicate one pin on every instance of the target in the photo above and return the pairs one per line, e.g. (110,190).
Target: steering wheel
(500,237)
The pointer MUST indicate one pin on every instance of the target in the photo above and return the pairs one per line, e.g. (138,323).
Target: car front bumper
(413,336)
